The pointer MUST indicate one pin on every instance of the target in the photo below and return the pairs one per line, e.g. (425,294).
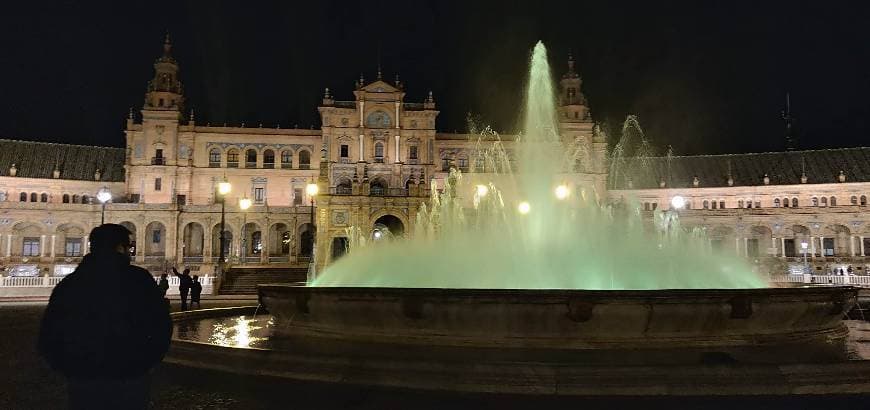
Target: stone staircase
(243,281)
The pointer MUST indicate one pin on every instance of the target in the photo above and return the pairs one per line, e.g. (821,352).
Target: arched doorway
(390,224)
(193,240)
(279,241)
(306,240)
(155,240)
(339,247)
(252,242)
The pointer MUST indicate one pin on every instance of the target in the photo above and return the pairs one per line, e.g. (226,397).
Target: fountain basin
(772,325)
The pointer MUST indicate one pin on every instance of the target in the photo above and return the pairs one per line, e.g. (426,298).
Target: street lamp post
(104,195)
(804,246)
(244,204)
(224,188)
(311,189)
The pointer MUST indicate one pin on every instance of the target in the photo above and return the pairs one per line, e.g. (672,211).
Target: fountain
(527,282)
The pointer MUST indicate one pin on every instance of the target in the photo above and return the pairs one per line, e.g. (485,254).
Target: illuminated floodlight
(311,189)
(678,202)
(104,195)
(378,234)
(224,187)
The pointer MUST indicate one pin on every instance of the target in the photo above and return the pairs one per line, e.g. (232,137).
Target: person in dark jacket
(195,292)
(106,351)
(163,285)
(184,284)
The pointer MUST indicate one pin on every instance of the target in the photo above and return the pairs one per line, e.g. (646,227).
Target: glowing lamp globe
(311,189)
(524,207)
(244,203)
(562,192)
(104,195)
(482,190)
(224,187)
(678,202)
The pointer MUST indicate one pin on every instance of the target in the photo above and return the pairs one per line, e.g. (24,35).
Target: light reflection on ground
(234,331)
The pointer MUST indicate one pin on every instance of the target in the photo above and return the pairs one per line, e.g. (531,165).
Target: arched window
(76,199)
(214,158)
(304,159)
(776,203)
(344,187)
(378,119)
(286,159)
(43,197)
(824,201)
(23,197)
(863,200)
(785,202)
(233,158)
(853,200)
(268,159)
(379,152)
(833,201)
(86,199)
(815,201)
(706,204)
(33,197)
(378,187)
(251,158)
(65,198)
(794,202)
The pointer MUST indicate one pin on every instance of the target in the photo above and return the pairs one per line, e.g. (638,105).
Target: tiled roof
(38,160)
(783,168)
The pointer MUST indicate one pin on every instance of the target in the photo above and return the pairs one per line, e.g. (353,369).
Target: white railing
(30,281)
(853,280)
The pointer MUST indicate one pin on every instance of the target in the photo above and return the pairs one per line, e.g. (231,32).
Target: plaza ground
(27,383)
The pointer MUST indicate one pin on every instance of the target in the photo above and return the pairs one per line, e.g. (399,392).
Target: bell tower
(572,102)
(165,92)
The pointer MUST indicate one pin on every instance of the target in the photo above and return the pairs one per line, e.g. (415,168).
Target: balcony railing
(158,161)
(304,166)
(341,190)
(344,160)
(232,164)
(192,259)
(380,191)
(214,164)
(279,258)
(286,165)
(250,164)
(269,165)
(379,160)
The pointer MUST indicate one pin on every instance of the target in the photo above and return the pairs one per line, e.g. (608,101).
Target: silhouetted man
(184,284)
(106,350)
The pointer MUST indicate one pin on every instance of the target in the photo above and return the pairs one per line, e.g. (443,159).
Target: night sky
(705,78)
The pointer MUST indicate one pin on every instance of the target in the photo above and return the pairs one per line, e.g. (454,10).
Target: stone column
(398,157)
(861,245)
(782,243)
(746,247)
(737,246)
(41,246)
(206,245)
(852,245)
(361,136)
(8,245)
(53,237)
(812,246)
(140,244)
(822,246)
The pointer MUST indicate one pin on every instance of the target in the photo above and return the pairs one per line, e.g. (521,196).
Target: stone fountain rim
(622,293)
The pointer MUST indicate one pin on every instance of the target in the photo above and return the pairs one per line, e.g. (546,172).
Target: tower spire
(790,140)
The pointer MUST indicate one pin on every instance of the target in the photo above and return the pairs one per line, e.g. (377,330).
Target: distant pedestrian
(163,285)
(195,292)
(184,283)
(849,270)
(106,352)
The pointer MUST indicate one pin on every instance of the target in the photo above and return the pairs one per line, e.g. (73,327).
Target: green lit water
(467,239)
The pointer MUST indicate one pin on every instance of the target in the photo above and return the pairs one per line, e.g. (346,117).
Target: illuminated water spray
(528,226)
